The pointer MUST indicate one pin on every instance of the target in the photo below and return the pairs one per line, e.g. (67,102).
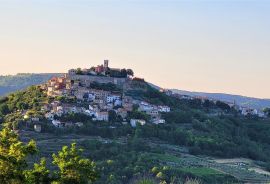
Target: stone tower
(106,64)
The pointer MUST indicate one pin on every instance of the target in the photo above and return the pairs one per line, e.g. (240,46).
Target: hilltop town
(115,115)
(98,92)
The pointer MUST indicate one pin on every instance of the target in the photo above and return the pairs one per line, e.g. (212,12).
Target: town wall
(87,79)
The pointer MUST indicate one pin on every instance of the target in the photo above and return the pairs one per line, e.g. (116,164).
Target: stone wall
(87,79)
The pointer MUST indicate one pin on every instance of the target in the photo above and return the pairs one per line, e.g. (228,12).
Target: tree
(72,168)
(130,72)
(112,116)
(223,106)
(13,155)
(267,111)
(21,106)
(155,170)
(4,109)
(13,163)
(79,71)
(123,73)
(160,175)
(40,174)
(135,114)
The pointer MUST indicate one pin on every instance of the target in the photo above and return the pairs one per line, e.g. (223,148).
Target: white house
(102,116)
(91,96)
(145,107)
(249,111)
(159,121)
(261,114)
(153,113)
(56,123)
(254,112)
(98,101)
(134,122)
(164,109)
(89,113)
(91,108)
(118,102)
(112,98)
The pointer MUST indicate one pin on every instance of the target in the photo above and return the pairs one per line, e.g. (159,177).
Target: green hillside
(195,134)
(11,83)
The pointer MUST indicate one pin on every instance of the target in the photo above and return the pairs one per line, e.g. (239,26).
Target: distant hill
(240,100)
(11,83)
(244,101)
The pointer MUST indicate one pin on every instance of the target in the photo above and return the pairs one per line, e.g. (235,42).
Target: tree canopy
(72,168)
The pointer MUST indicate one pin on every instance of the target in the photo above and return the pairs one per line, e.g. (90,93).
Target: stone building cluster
(95,103)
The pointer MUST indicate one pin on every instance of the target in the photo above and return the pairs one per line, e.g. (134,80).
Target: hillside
(190,144)
(255,103)
(11,83)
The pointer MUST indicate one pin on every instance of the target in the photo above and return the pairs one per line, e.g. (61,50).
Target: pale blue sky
(199,45)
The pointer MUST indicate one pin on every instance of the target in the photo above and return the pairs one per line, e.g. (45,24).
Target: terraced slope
(175,156)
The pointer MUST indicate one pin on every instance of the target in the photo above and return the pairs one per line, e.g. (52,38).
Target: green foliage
(13,156)
(113,116)
(39,174)
(130,72)
(4,110)
(64,99)
(160,175)
(79,71)
(154,170)
(74,117)
(120,163)
(135,114)
(223,106)
(73,168)
(267,111)
(123,73)
(142,91)
(13,163)
(12,83)
(178,117)
(29,101)
(32,98)
(205,128)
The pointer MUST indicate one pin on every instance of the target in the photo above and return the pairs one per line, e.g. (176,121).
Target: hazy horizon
(205,46)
